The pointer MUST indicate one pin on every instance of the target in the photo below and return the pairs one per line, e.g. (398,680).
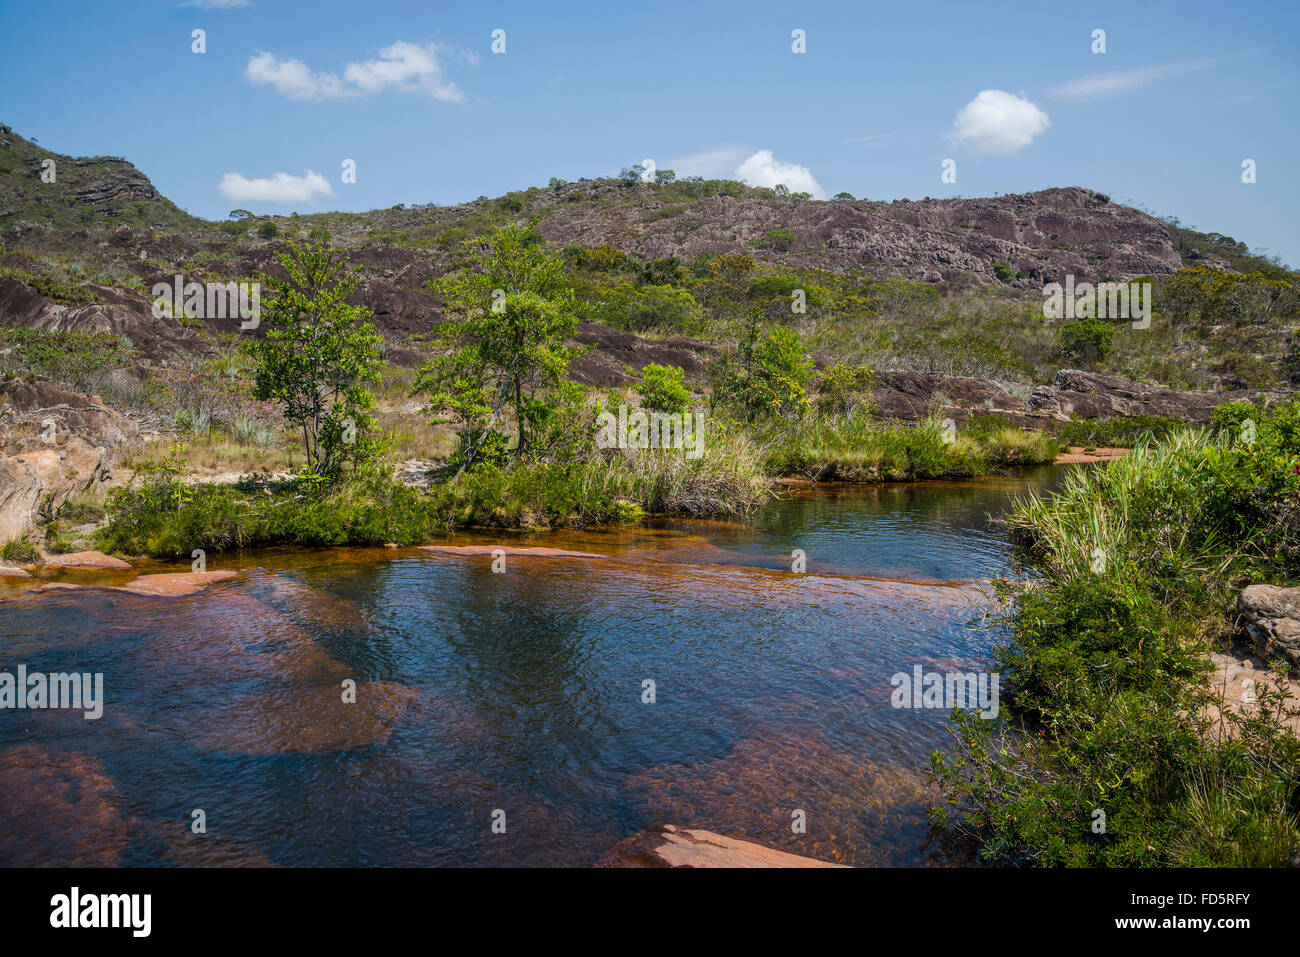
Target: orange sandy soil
(1077,456)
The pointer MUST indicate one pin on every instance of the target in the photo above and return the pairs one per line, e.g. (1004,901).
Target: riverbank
(162,515)
(1134,757)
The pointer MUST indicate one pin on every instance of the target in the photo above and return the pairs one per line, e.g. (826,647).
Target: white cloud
(402,66)
(405,67)
(280,189)
(292,78)
(1097,85)
(763,169)
(711,164)
(998,123)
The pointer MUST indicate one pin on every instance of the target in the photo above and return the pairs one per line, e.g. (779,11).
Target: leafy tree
(506,348)
(1087,340)
(663,389)
(842,388)
(843,195)
(316,356)
(769,374)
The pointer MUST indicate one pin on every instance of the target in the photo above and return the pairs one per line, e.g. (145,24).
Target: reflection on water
(520,692)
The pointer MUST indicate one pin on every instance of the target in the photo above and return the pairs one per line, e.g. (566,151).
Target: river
(534,715)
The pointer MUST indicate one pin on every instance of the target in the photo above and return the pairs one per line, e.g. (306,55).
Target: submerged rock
(60,810)
(669,846)
(177,584)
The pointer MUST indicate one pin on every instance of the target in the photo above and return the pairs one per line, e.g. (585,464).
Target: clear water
(519,693)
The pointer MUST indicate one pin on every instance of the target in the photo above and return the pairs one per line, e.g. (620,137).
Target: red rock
(177,584)
(669,846)
(85,560)
(8,571)
(521,551)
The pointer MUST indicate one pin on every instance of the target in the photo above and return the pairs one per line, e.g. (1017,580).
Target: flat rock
(177,584)
(8,571)
(669,846)
(85,560)
(538,552)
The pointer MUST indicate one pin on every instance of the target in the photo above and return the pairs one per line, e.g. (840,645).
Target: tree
(769,374)
(506,348)
(663,389)
(1087,340)
(316,355)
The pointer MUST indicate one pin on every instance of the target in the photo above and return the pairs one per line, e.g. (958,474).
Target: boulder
(669,846)
(1269,617)
(54,444)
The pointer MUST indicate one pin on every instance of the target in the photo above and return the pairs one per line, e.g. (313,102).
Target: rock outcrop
(54,444)
(1269,617)
(669,846)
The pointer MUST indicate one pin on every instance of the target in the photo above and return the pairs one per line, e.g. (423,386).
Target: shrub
(663,389)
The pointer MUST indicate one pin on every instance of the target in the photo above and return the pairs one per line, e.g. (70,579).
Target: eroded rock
(669,846)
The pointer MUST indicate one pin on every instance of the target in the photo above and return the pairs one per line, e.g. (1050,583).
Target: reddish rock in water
(177,584)
(86,560)
(520,551)
(60,810)
(8,571)
(670,846)
(306,720)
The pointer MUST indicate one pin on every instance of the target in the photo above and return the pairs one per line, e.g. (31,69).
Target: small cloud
(764,169)
(405,67)
(1097,85)
(280,189)
(998,123)
(292,78)
(216,4)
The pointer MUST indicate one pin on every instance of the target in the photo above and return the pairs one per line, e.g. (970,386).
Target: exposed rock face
(670,846)
(1270,619)
(1091,395)
(1043,235)
(612,350)
(54,444)
(122,312)
(1085,395)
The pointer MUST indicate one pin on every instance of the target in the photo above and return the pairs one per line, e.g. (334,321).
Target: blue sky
(413,93)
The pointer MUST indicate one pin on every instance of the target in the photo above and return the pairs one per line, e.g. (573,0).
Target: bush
(1088,341)
(663,389)
(20,551)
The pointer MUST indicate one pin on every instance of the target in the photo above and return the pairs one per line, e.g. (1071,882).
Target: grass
(1139,563)
(857,448)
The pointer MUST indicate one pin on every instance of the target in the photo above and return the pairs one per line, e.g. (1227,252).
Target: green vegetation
(316,356)
(77,359)
(1111,711)
(857,448)
(20,551)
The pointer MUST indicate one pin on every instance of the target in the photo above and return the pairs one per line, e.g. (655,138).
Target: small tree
(769,374)
(663,389)
(316,355)
(1087,341)
(507,347)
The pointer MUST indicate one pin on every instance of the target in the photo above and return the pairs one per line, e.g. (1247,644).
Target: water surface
(520,694)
